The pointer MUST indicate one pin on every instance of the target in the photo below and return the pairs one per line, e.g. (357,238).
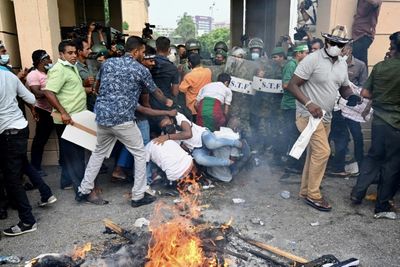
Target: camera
(147,31)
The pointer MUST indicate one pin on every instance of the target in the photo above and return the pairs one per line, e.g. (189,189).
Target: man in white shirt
(171,158)
(212,103)
(13,142)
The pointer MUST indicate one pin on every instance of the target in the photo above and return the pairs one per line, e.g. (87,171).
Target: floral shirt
(121,83)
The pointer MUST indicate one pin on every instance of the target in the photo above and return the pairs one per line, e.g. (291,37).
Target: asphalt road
(345,232)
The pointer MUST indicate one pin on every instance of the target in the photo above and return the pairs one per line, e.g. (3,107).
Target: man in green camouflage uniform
(219,61)
(266,117)
(238,67)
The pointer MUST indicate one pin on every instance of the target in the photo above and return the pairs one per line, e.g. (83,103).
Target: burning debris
(178,237)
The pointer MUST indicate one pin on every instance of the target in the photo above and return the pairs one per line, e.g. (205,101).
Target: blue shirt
(121,82)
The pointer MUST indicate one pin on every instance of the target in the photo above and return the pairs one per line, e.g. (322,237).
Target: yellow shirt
(192,83)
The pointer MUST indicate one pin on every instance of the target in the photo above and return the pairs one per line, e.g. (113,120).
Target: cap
(277,51)
(338,35)
(301,48)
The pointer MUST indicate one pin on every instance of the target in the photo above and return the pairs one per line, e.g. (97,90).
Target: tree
(208,40)
(186,27)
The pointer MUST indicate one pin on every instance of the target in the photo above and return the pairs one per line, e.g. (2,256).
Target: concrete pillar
(38,28)
(135,14)
(236,22)
(9,32)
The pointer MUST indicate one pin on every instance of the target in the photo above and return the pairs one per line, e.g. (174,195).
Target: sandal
(319,204)
(96,199)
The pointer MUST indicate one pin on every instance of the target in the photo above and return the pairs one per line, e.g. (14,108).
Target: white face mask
(4,59)
(255,56)
(172,58)
(345,57)
(333,51)
(48,66)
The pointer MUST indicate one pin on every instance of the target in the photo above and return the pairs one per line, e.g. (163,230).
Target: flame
(174,240)
(80,252)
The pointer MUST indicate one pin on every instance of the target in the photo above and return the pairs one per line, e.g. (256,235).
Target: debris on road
(9,259)
(285,194)
(238,200)
(140,222)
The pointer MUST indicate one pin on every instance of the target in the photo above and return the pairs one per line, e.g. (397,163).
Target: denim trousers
(37,180)
(129,135)
(340,137)
(44,127)
(202,155)
(125,158)
(358,139)
(382,164)
(12,158)
(72,160)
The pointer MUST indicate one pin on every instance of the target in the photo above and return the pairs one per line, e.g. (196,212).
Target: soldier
(192,46)
(219,61)
(237,66)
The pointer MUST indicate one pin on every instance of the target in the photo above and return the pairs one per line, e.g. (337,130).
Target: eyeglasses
(332,43)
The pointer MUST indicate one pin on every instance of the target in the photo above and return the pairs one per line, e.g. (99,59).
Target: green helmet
(256,43)
(220,46)
(98,50)
(192,44)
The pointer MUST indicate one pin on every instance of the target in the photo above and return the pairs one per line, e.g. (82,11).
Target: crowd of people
(174,114)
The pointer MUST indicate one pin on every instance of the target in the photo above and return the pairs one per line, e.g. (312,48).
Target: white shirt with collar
(11,116)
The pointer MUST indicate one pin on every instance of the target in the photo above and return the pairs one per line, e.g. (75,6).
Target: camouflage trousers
(240,114)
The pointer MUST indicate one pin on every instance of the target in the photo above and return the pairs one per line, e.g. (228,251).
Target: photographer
(94,26)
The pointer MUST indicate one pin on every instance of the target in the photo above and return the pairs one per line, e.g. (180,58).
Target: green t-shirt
(288,100)
(384,84)
(63,79)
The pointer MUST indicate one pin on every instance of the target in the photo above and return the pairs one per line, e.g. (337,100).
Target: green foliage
(125,26)
(208,40)
(186,27)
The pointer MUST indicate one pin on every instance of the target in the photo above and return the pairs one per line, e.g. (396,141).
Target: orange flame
(174,241)
(80,252)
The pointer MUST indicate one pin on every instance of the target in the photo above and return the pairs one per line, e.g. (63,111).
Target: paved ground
(345,232)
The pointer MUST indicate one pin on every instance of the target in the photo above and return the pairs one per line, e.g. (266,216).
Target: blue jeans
(356,133)
(340,136)
(125,158)
(210,142)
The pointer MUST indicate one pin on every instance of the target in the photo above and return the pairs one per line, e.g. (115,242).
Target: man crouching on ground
(121,82)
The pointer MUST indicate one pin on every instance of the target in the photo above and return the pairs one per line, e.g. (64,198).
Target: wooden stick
(274,250)
(264,257)
(76,124)
(119,230)
(222,250)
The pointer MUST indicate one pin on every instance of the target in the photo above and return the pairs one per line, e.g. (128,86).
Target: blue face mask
(48,66)
(4,59)
(255,56)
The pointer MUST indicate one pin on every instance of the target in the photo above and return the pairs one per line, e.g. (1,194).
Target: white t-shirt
(197,131)
(216,90)
(170,157)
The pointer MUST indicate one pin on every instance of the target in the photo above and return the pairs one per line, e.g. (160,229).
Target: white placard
(241,86)
(81,137)
(267,85)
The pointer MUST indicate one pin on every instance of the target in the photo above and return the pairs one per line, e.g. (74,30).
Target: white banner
(267,85)
(241,86)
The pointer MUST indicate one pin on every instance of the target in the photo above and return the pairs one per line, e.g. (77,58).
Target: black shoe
(3,214)
(147,199)
(81,197)
(19,229)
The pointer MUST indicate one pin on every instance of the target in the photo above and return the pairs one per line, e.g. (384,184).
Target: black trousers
(44,127)
(381,164)
(360,48)
(340,136)
(72,160)
(12,157)
(289,137)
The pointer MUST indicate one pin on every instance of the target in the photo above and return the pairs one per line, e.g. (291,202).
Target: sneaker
(386,215)
(20,229)
(50,200)
(147,199)
(355,200)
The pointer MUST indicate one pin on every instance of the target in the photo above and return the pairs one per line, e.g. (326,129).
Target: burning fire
(174,240)
(80,252)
